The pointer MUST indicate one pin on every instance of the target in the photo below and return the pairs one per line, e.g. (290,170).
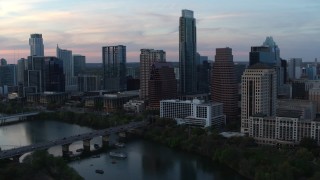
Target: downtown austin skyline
(85,26)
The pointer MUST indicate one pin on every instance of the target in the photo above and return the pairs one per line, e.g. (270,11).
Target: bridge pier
(86,145)
(105,140)
(65,150)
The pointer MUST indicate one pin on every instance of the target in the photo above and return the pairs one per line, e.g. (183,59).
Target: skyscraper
(45,73)
(187,54)
(147,58)
(36,45)
(259,93)
(295,68)
(162,84)
(224,85)
(21,67)
(8,75)
(114,68)
(268,53)
(66,57)
(3,62)
(79,63)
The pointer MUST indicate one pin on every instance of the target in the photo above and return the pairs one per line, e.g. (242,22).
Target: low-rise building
(48,97)
(295,120)
(195,112)
(136,106)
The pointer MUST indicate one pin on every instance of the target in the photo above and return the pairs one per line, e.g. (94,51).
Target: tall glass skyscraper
(187,54)
(68,68)
(114,68)
(36,45)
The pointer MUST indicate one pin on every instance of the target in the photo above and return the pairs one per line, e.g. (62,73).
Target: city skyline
(85,26)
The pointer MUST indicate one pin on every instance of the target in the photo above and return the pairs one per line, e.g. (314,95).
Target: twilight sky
(84,26)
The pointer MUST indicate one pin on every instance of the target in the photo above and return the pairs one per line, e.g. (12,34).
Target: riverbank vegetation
(240,153)
(38,166)
(93,120)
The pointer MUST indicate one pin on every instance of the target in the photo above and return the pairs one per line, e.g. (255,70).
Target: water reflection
(146,160)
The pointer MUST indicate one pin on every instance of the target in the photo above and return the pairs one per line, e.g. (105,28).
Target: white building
(134,106)
(195,112)
(287,130)
(36,45)
(259,93)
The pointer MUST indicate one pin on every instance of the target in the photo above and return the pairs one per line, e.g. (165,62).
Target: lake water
(146,160)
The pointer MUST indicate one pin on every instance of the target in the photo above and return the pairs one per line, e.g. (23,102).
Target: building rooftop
(232,134)
(260,66)
(288,113)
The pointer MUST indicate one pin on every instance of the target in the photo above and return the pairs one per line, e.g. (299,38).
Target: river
(146,160)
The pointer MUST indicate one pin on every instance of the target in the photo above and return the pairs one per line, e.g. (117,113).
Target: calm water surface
(146,160)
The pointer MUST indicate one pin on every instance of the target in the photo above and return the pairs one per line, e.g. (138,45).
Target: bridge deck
(69,140)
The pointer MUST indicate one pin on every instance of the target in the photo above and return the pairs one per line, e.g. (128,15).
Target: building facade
(8,75)
(114,68)
(21,67)
(224,85)
(187,54)
(195,112)
(36,45)
(162,84)
(314,95)
(79,64)
(88,83)
(295,68)
(289,130)
(259,93)
(44,73)
(68,68)
(147,58)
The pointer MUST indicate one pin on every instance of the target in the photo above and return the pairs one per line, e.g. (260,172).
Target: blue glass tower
(187,54)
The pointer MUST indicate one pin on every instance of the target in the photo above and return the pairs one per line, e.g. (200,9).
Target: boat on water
(79,150)
(119,145)
(117,154)
(99,171)
(96,156)
(96,146)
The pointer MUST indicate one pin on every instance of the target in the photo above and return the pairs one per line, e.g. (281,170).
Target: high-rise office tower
(3,62)
(204,75)
(79,62)
(224,85)
(66,57)
(147,58)
(162,84)
(88,83)
(8,75)
(295,68)
(53,74)
(187,54)
(114,68)
(21,67)
(259,93)
(36,45)
(268,53)
(45,73)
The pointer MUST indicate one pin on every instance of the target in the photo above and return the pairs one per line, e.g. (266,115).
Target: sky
(84,26)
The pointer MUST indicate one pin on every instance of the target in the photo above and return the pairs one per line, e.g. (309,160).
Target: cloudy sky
(84,26)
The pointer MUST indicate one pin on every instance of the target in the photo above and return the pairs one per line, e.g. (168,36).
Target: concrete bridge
(16,117)
(66,141)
